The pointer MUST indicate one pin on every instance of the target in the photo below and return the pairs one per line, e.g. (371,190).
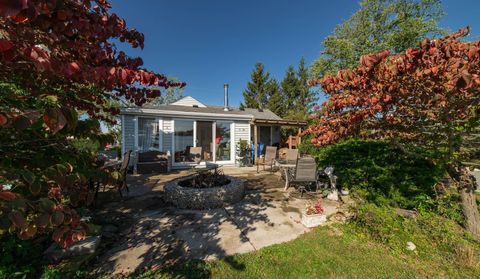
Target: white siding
(242,131)
(189,102)
(167,134)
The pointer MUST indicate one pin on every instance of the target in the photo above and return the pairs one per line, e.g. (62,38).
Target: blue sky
(207,43)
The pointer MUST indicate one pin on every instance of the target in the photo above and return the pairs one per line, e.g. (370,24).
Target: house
(177,127)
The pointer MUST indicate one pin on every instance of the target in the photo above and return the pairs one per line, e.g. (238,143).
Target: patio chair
(304,173)
(269,159)
(292,155)
(123,171)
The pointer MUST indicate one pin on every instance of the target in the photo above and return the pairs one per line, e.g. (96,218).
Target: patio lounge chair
(304,173)
(269,159)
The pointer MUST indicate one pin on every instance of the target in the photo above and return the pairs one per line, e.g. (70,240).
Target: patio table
(285,166)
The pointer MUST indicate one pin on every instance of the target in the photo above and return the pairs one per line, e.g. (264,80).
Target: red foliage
(60,57)
(69,43)
(400,95)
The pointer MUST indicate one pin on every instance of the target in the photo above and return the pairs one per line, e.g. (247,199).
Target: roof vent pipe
(225,96)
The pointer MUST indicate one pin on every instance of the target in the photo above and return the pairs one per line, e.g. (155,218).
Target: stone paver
(157,234)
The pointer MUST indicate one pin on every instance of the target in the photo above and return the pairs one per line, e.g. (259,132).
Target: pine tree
(257,92)
(289,88)
(276,101)
(306,97)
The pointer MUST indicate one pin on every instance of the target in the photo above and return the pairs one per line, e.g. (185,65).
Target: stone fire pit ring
(204,198)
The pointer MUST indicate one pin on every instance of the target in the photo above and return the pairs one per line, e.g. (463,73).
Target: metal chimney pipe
(225,96)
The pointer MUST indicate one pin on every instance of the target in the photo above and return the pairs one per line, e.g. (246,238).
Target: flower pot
(345,192)
(313,220)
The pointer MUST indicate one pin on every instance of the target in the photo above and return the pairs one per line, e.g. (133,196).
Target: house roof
(189,106)
(247,113)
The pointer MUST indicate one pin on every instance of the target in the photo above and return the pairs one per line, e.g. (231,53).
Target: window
(148,134)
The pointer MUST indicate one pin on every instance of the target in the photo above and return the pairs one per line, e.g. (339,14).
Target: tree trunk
(469,203)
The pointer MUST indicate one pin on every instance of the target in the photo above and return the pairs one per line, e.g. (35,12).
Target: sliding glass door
(213,139)
(223,141)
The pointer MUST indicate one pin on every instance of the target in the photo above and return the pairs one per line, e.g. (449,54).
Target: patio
(144,231)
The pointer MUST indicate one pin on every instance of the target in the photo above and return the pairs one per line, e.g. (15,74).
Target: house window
(148,134)
(222,141)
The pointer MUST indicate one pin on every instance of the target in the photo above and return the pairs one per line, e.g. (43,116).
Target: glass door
(183,140)
(204,139)
(223,141)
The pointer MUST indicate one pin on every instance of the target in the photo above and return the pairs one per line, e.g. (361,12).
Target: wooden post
(299,137)
(255,143)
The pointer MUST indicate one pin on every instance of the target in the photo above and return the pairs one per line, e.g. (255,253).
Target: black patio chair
(123,171)
(304,174)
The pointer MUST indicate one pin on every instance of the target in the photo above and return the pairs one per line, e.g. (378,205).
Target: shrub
(20,259)
(378,171)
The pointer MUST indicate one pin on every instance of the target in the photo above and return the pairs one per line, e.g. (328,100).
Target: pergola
(256,122)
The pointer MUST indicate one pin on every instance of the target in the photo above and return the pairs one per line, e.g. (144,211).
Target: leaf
(57,218)
(5,45)
(27,176)
(35,187)
(17,219)
(46,205)
(7,195)
(42,220)
(12,7)
(54,119)
(58,234)
(3,119)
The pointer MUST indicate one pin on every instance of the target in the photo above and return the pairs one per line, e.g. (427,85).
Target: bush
(378,171)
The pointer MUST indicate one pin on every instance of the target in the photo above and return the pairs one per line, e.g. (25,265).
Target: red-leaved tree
(58,59)
(426,96)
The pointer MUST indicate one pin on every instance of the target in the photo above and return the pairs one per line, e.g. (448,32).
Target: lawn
(323,253)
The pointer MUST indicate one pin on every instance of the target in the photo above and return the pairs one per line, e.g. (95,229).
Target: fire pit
(204,190)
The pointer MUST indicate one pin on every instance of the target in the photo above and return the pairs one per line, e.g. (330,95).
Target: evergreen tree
(257,92)
(289,88)
(306,97)
(276,101)
(379,24)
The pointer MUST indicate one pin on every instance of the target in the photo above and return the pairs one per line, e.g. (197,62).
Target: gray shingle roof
(257,114)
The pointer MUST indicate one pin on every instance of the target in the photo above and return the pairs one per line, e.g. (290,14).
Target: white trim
(135,151)
(214,141)
(123,135)
(160,133)
(185,114)
(195,134)
(135,131)
(249,135)
(233,144)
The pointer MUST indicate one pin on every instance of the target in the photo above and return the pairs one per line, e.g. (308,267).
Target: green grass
(323,253)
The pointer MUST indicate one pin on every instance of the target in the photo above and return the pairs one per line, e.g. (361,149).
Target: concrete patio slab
(155,233)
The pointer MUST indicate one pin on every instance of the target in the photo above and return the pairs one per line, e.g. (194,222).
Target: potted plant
(314,215)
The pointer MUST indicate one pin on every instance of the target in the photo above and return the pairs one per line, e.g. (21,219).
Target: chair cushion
(152,156)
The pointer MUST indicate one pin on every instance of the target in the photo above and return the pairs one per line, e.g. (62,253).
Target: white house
(187,123)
